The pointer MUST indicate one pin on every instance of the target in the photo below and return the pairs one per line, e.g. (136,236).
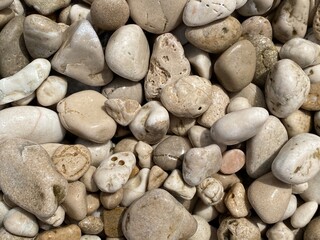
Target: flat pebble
(300,121)
(303,215)
(113,222)
(280,231)
(166,218)
(232,161)
(70,232)
(91,225)
(44,7)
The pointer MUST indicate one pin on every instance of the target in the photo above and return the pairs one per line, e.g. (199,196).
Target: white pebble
(303,215)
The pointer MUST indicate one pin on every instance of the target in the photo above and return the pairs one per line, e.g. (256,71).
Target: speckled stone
(70,232)
(312,231)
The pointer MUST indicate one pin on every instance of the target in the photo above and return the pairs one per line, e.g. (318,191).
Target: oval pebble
(232,161)
(303,214)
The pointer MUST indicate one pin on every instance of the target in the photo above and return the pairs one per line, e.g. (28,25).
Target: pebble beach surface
(159,119)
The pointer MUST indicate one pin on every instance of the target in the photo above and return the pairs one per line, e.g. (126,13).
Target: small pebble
(113,222)
(232,161)
(91,225)
(280,231)
(312,231)
(157,177)
(93,203)
(303,214)
(70,232)
(210,190)
(236,201)
(111,200)
(204,230)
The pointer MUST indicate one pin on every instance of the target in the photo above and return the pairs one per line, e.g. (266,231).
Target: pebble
(4,209)
(109,15)
(300,188)
(264,147)
(312,101)
(14,55)
(283,98)
(87,179)
(159,16)
(5,235)
(91,225)
(230,69)
(255,7)
(300,121)
(166,217)
(249,121)
(126,145)
(167,64)
(269,197)
(144,154)
(5,16)
(200,163)
(200,136)
(75,203)
(238,103)
(111,200)
(316,120)
(303,215)
(56,219)
(312,193)
(210,190)
(151,123)
(113,222)
(131,44)
(79,12)
(316,21)
(70,232)
(45,7)
(280,231)
(157,177)
(199,13)
(298,160)
(257,25)
(93,203)
(232,161)
(205,211)
(34,164)
(83,114)
(5,3)
(312,231)
(292,206)
(215,37)
(90,237)
(253,93)
(236,201)
(204,230)
(227,180)
(114,172)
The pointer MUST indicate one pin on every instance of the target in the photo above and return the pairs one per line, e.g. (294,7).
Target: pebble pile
(159,119)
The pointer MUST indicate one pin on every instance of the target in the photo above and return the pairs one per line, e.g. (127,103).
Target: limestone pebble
(44,7)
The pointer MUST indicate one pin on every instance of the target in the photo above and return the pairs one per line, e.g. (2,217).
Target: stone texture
(5,235)
(312,231)
(45,8)
(70,232)
(5,16)
(91,225)
(113,222)
(300,121)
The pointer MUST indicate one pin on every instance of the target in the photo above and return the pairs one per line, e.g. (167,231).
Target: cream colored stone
(111,200)
(291,208)
(257,25)
(238,103)
(205,211)
(255,7)
(236,201)
(204,230)
(78,12)
(4,208)
(56,219)
(90,237)
(127,144)
(210,190)
(128,46)
(232,161)
(70,232)
(303,215)
(93,203)
(5,16)
(45,8)
(87,179)
(144,154)
(17,8)
(5,235)
(280,231)
(200,136)
(24,101)
(300,188)
(83,114)
(253,93)
(157,177)
(5,3)
(180,126)
(300,121)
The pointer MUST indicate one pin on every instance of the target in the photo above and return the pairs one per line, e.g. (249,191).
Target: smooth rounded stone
(159,16)
(204,230)
(111,200)
(253,93)
(4,209)
(93,203)
(168,63)
(35,165)
(123,111)
(135,187)
(91,225)
(180,126)
(169,153)
(237,202)
(157,177)
(257,25)
(166,218)
(72,161)
(24,101)
(70,232)
(79,12)
(300,121)
(200,136)
(99,151)
(92,69)
(200,163)
(303,52)
(215,37)
(232,161)
(90,237)
(176,185)
(127,144)
(64,15)
(144,154)
(217,109)
(303,215)
(5,3)
(113,222)
(290,20)
(151,123)
(83,114)
(5,16)
(199,13)
(227,180)
(131,46)
(292,206)
(210,191)
(298,160)
(42,36)
(45,8)
(56,219)
(123,88)
(312,193)
(237,229)
(313,73)
(205,211)
(279,231)
(75,203)
(238,103)
(264,147)
(24,82)
(269,197)
(21,223)
(285,97)
(87,179)
(13,52)
(312,101)
(109,15)
(249,122)
(255,7)
(200,60)
(232,72)
(300,188)
(193,91)
(52,90)
(312,230)
(5,235)
(114,172)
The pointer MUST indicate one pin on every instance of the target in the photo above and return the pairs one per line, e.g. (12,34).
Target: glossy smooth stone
(257,25)
(111,200)
(232,161)
(91,225)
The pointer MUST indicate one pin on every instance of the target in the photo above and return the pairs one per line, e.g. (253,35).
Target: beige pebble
(91,225)
(5,16)
(312,193)
(93,203)
(165,217)
(144,154)
(111,200)
(151,123)
(303,215)
(316,21)
(24,101)
(34,166)
(87,179)
(45,7)
(217,109)
(90,237)
(215,37)
(236,201)
(5,235)
(254,95)
(227,180)
(131,44)
(70,232)
(257,25)
(127,144)
(300,121)
(210,190)
(280,231)
(255,7)
(312,101)
(269,197)
(232,161)
(168,63)
(79,12)
(113,222)
(159,16)
(18,8)
(205,211)
(5,3)
(56,219)
(157,177)
(75,203)
(291,208)
(83,114)
(234,74)
(290,20)
(300,188)
(4,208)
(204,230)
(313,229)
(200,136)
(238,103)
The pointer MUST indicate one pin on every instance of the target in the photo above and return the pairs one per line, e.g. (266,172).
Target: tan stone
(113,222)
(5,235)
(257,25)
(47,7)
(111,200)
(254,95)
(236,201)
(300,121)
(91,225)
(93,203)
(312,231)
(157,177)
(70,232)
